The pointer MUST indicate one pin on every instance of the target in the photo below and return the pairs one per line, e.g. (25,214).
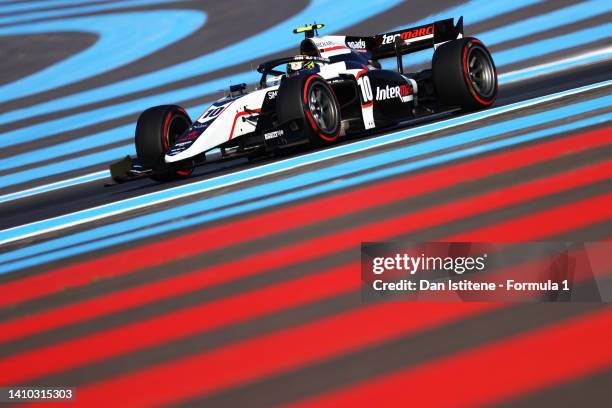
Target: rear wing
(412,39)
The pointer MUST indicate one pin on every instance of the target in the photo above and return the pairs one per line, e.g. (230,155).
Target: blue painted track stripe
(278,186)
(477,9)
(111,112)
(537,24)
(308,158)
(76,121)
(34,5)
(96,140)
(346,149)
(46,256)
(79,9)
(544,69)
(338,14)
(554,44)
(557,18)
(125,133)
(121,133)
(135,34)
(473,11)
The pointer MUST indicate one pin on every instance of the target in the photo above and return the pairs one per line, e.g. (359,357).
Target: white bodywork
(226,124)
(228,119)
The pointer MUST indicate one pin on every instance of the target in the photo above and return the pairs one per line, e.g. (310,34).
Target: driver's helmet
(296,66)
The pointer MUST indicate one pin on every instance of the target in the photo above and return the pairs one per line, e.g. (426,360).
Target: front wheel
(156,131)
(312,100)
(464,74)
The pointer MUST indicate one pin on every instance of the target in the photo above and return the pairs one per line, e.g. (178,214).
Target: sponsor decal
(323,44)
(179,147)
(356,44)
(366,89)
(408,35)
(184,141)
(211,114)
(404,92)
(274,135)
(272,95)
(191,135)
(215,110)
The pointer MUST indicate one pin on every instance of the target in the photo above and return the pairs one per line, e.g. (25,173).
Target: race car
(334,88)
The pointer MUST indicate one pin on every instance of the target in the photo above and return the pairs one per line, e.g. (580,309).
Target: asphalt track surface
(247,293)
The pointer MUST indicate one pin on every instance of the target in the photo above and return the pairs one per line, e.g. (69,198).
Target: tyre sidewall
(152,140)
(451,79)
(292,105)
(318,134)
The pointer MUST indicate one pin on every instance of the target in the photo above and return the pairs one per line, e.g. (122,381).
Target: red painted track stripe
(211,238)
(302,251)
(201,318)
(96,347)
(189,282)
(490,374)
(233,359)
(277,352)
(554,221)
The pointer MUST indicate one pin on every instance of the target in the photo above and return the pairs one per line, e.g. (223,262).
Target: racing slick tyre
(464,74)
(156,131)
(311,99)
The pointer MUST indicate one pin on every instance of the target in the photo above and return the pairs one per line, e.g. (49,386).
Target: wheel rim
(177,126)
(322,108)
(481,72)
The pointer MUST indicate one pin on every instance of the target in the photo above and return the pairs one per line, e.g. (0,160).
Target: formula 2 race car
(335,87)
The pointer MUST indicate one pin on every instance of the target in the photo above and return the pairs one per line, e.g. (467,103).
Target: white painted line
(159,197)
(564,64)
(45,188)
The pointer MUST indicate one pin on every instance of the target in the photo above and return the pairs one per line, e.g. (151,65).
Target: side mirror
(238,88)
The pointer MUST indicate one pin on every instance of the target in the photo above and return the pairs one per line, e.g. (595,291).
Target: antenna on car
(309,30)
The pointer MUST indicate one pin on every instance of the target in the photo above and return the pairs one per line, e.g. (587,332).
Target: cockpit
(315,52)
(308,47)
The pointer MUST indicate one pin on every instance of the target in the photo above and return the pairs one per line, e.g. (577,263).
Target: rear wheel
(156,131)
(464,74)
